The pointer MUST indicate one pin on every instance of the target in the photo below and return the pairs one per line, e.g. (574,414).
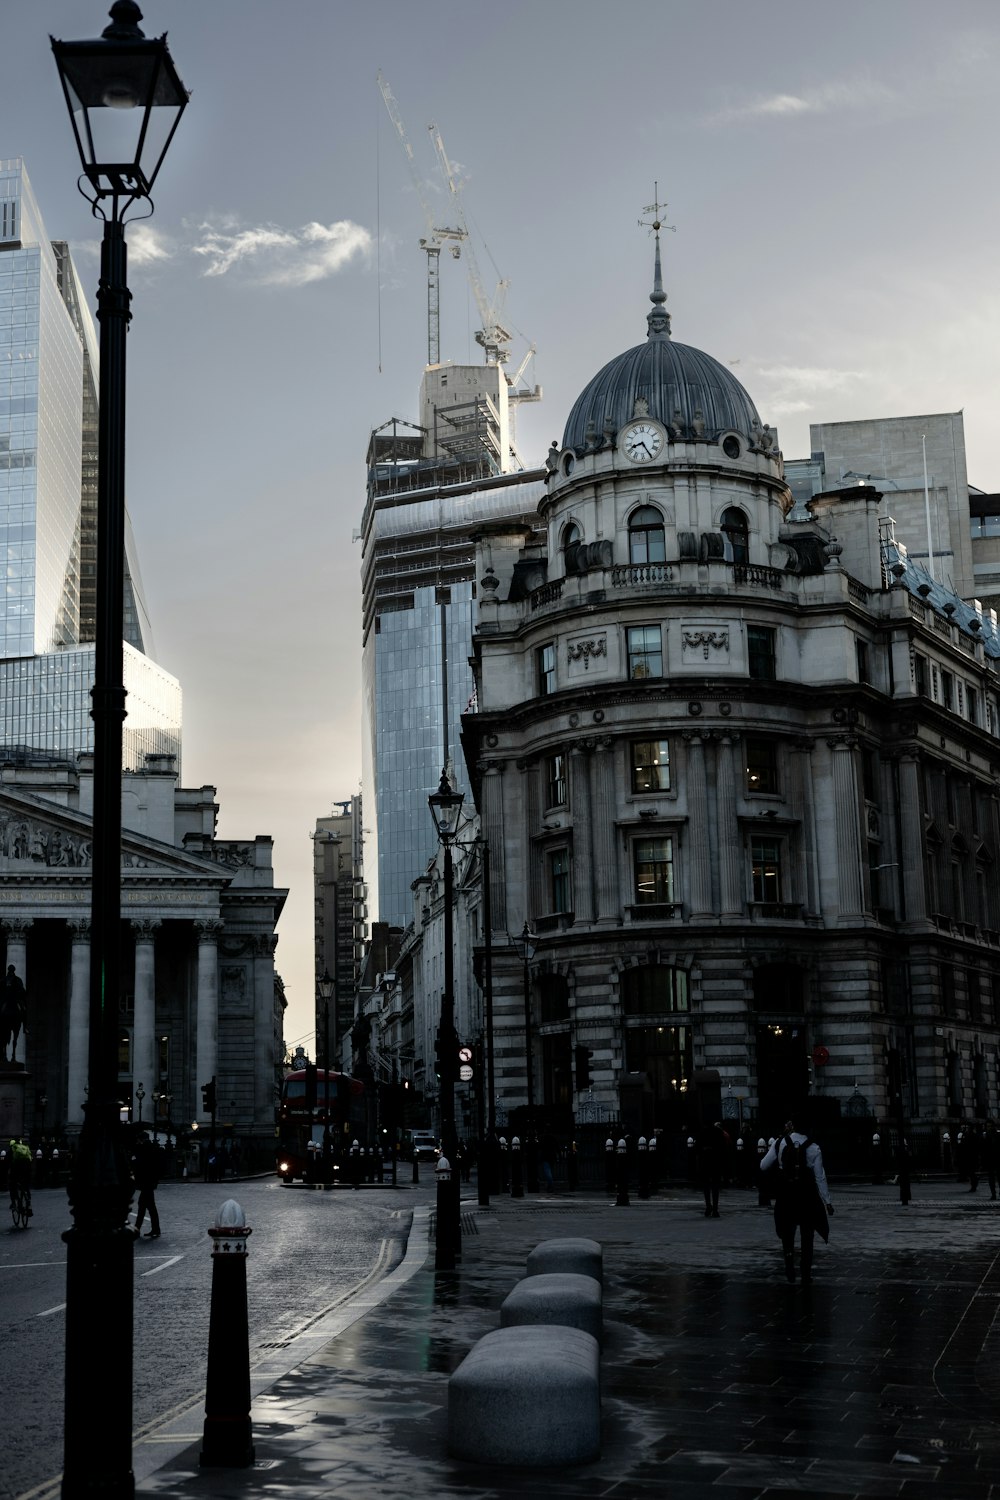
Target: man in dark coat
(713,1148)
(801,1196)
(146,1171)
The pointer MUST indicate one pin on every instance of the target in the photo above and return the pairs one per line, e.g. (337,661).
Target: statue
(13,1012)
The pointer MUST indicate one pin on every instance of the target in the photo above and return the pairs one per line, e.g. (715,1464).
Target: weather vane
(656,208)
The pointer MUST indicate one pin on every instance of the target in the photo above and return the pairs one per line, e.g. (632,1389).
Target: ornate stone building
(200,995)
(738,771)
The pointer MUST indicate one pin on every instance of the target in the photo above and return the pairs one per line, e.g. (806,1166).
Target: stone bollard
(227,1438)
(610,1170)
(622,1200)
(643,1168)
(516,1169)
(444,1244)
(572,1168)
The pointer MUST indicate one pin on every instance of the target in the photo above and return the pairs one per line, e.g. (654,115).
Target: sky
(829,172)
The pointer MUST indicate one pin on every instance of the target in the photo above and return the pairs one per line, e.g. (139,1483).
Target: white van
(425,1146)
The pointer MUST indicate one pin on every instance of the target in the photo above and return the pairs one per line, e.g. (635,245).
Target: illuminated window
(765,858)
(650,765)
(762,766)
(653,862)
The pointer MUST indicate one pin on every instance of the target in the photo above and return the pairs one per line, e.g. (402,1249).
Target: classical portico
(200,998)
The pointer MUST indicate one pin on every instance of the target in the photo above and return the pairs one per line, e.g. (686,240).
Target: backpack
(796,1172)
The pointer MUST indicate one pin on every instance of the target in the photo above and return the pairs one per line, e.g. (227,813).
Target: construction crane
(493,337)
(435,237)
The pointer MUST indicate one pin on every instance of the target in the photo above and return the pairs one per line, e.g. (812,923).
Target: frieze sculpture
(237,856)
(25,840)
(584,650)
(718,640)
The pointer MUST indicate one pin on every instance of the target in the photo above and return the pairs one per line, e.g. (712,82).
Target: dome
(681,387)
(671,378)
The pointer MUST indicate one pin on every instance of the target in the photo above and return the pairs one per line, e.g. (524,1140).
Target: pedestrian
(972,1152)
(713,1150)
(801,1196)
(991,1155)
(548,1152)
(146,1171)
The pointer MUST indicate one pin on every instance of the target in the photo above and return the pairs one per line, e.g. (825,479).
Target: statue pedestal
(13,1084)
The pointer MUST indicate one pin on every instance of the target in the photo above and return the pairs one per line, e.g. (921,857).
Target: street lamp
(531,1154)
(120,79)
(446,810)
(140,1094)
(326,987)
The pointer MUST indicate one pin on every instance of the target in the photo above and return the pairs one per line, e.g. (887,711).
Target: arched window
(571,538)
(646,541)
(736,528)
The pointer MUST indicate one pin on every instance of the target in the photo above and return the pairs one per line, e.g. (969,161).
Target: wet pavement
(881,1378)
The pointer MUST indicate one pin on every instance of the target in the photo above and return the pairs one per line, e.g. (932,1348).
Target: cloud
(282,257)
(858,93)
(809,377)
(146,246)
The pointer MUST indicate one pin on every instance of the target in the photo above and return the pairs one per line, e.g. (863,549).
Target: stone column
(533,896)
(911,842)
(144,1068)
(583,858)
(804,806)
(207,1001)
(265,1044)
(79,1024)
(847,816)
(699,849)
(732,886)
(493,831)
(17,954)
(604,822)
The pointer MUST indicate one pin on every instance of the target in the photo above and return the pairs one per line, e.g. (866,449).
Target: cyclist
(19,1156)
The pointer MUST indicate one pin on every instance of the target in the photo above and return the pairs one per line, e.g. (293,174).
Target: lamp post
(118,79)
(326,987)
(531,1145)
(446,810)
(140,1094)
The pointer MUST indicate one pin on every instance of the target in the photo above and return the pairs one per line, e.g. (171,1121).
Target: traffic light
(584,1057)
(208,1097)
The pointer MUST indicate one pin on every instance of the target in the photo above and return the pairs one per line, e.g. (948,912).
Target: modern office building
(430,487)
(736,757)
(340,904)
(49,373)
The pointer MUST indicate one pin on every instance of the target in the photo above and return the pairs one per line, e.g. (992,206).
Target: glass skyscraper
(49,376)
(429,489)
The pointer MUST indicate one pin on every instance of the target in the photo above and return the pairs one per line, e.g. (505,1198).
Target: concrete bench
(527,1395)
(562,1298)
(584,1257)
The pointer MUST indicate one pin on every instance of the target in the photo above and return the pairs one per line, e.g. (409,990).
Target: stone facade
(200,999)
(739,774)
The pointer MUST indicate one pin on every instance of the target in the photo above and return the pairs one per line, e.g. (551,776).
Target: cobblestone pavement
(718,1378)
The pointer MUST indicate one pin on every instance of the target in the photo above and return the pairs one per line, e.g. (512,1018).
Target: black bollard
(484,1170)
(610,1170)
(227,1438)
(622,1200)
(878,1177)
(572,1168)
(444,1242)
(416,1169)
(516,1169)
(763,1190)
(356,1165)
(504,1165)
(652,1160)
(643,1168)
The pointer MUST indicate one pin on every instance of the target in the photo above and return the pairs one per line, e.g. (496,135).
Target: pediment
(42,839)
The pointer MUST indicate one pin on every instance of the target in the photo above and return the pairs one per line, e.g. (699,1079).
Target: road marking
(30,1265)
(50,1310)
(171,1262)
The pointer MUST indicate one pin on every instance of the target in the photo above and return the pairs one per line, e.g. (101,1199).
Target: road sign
(465,1072)
(465,1054)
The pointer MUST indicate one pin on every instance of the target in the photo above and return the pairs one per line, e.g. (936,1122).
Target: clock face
(642,442)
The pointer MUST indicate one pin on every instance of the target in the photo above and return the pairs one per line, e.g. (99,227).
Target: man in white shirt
(801,1196)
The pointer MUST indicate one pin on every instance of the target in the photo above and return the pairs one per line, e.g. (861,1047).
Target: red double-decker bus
(312,1100)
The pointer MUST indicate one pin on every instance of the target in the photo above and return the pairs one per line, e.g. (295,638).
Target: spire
(659,319)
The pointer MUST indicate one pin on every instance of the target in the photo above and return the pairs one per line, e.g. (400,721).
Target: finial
(659,319)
